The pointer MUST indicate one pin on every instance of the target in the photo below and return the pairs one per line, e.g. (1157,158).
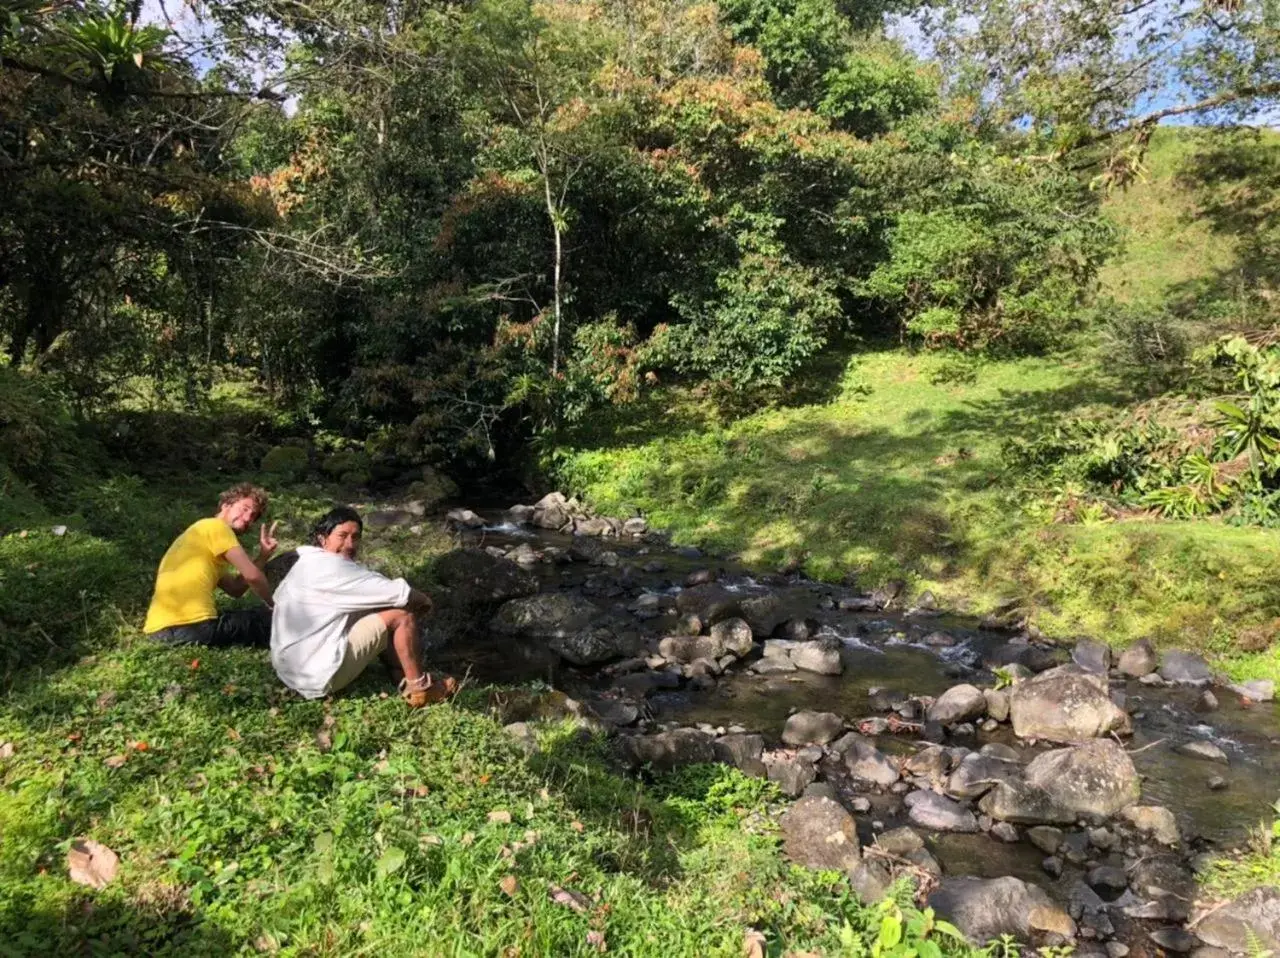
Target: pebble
(1004,831)
(1217,783)
(861,805)
(1052,866)
(1101,838)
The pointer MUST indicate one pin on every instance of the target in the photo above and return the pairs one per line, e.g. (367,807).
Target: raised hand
(267,542)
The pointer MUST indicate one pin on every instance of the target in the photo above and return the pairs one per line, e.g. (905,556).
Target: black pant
(251,627)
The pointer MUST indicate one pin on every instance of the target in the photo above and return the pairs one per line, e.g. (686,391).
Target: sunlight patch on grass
(903,478)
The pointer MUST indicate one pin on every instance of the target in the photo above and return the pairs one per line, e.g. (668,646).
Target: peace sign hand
(267,539)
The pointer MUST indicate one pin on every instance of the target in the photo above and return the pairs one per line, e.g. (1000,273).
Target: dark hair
(331,520)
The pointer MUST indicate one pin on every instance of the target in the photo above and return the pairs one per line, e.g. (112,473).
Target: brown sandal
(426,691)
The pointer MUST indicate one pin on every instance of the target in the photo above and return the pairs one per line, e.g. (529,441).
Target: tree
(1075,72)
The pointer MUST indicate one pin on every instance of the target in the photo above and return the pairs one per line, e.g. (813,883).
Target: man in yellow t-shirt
(182,610)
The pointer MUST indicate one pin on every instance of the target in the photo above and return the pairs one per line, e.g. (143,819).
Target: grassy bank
(248,821)
(900,476)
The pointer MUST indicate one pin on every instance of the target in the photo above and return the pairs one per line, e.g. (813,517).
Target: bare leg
(401,655)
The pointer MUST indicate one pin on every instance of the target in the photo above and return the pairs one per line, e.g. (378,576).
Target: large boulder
(1092,781)
(820,655)
(987,908)
(548,616)
(594,645)
(1065,704)
(474,577)
(960,703)
(734,635)
(867,765)
(1249,925)
(812,728)
(688,648)
(939,813)
(978,774)
(552,511)
(710,602)
(1138,659)
(818,833)
(668,750)
(743,751)
(1185,667)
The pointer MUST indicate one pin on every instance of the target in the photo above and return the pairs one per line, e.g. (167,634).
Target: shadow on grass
(1235,177)
(846,487)
(87,925)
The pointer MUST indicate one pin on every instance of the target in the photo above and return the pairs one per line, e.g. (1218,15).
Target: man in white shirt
(333,616)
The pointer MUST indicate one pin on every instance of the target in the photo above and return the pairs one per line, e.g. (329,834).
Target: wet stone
(933,811)
(1176,940)
(792,777)
(1092,656)
(1004,831)
(1138,659)
(1185,668)
(1108,879)
(899,841)
(1257,690)
(1046,838)
(812,728)
(819,790)
(1001,751)
(1205,750)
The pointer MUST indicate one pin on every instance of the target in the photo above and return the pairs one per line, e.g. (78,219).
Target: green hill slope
(1168,242)
(902,475)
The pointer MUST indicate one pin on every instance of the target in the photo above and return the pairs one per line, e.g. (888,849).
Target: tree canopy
(438,227)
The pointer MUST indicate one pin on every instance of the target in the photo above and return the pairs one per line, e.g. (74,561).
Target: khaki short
(366,640)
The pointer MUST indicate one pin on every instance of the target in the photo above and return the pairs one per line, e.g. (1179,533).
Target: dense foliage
(433,229)
(438,227)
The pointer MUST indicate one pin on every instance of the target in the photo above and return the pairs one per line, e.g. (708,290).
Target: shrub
(347,462)
(286,462)
(767,318)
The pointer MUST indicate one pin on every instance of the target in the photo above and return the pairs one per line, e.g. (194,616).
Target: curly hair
(245,490)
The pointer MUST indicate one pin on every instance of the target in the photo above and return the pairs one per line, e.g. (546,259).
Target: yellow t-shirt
(188,575)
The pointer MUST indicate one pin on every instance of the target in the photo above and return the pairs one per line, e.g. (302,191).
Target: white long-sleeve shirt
(323,595)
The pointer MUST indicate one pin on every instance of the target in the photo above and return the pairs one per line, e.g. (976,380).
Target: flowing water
(885,651)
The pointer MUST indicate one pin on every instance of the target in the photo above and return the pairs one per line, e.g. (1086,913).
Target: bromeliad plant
(113,51)
(1251,423)
(1180,458)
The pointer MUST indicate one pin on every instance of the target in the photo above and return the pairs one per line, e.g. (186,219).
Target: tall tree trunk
(553,213)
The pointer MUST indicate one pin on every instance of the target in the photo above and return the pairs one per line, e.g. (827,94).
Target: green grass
(1258,866)
(248,821)
(1168,243)
(900,476)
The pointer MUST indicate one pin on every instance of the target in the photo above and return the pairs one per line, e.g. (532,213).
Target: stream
(885,655)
